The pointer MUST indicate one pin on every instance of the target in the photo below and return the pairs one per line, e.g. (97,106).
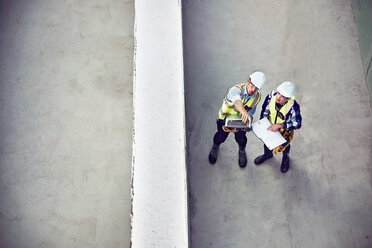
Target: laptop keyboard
(235,123)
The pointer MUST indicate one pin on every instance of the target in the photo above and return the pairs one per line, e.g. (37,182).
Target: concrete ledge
(159,191)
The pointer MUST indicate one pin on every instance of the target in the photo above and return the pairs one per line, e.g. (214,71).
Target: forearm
(240,107)
(290,125)
(245,115)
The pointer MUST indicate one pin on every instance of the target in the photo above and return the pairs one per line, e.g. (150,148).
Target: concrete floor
(325,199)
(66,112)
(66,123)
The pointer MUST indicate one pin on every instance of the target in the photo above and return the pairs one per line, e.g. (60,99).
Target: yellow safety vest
(228,107)
(279,116)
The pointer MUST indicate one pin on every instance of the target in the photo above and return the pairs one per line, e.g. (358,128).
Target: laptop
(235,121)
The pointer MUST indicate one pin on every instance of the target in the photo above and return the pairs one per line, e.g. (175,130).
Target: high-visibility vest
(279,116)
(228,107)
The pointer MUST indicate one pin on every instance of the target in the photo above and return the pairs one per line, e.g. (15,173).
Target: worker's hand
(250,118)
(275,127)
(246,117)
(228,130)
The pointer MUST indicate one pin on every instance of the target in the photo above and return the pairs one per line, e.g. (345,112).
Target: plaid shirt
(292,120)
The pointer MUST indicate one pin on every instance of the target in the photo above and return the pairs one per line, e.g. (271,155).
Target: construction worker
(283,111)
(240,99)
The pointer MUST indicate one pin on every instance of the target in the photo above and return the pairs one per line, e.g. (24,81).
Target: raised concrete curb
(159,190)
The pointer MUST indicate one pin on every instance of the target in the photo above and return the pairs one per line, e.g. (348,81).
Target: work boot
(213,153)
(285,164)
(267,155)
(242,157)
(262,158)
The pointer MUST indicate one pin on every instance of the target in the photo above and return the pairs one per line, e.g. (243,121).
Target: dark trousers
(267,151)
(221,135)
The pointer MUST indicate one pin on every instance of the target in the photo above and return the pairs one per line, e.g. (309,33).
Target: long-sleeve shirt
(293,119)
(235,94)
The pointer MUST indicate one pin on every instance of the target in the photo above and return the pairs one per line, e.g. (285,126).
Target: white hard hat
(258,79)
(286,89)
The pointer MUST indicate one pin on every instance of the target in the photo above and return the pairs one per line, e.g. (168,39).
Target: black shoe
(213,154)
(285,164)
(242,158)
(262,158)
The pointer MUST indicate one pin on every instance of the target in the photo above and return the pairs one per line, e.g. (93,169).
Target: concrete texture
(325,199)
(66,123)
(363,18)
(159,191)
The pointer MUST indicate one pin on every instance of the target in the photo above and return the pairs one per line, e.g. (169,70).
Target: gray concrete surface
(66,123)
(363,18)
(325,199)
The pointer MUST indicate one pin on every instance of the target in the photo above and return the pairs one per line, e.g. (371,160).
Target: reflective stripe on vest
(228,107)
(276,117)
